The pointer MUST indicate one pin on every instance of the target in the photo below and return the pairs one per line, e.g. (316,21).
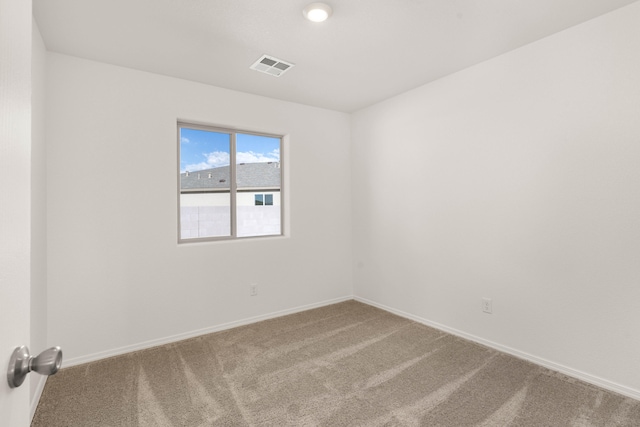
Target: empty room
(347,213)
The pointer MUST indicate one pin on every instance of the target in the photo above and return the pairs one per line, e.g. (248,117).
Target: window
(229,184)
(263,200)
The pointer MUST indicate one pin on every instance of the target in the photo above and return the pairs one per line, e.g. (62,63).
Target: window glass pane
(257,171)
(268,199)
(205,179)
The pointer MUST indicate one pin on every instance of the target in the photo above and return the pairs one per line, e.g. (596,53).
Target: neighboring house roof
(248,175)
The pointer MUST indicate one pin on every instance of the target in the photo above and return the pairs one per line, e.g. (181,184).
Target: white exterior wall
(202,199)
(518,180)
(209,215)
(222,199)
(118,279)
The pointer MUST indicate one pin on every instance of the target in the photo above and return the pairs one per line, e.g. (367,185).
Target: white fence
(215,221)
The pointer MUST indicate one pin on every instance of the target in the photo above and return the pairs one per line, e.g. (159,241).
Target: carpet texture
(347,364)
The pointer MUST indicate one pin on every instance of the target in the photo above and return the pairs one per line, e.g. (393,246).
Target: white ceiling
(369,50)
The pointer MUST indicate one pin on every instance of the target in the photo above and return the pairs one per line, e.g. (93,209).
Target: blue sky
(201,149)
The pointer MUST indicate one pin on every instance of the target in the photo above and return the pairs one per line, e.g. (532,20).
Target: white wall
(117,278)
(38,210)
(519,180)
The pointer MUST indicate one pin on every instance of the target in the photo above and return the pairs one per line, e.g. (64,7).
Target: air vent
(272,66)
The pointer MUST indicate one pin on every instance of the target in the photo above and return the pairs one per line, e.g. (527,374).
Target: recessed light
(317,12)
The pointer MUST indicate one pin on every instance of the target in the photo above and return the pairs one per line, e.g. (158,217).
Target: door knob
(21,363)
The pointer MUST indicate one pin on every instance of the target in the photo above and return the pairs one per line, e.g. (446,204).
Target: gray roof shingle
(248,175)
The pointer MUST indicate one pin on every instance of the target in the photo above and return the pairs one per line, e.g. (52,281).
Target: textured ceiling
(369,50)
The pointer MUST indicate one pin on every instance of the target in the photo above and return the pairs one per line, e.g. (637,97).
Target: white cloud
(212,160)
(221,158)
(253,157)
(195,167)
(184,140)
(217,159)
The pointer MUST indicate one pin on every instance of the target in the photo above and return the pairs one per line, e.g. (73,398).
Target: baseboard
(36,396)
(591,379)
(588,378)
(179,337)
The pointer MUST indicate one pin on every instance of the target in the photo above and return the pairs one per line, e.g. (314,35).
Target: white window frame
(233,187)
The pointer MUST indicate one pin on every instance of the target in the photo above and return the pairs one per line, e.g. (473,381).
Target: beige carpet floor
(347,364)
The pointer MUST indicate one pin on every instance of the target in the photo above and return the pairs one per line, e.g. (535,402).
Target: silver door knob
(21,363)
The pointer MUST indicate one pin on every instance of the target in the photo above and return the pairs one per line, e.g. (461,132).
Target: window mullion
(233,187)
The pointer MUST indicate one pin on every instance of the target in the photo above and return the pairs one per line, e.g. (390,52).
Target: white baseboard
(179,337)
(42,379)
(591,379)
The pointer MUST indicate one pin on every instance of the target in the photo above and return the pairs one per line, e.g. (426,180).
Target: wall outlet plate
(253,289)
(487,305)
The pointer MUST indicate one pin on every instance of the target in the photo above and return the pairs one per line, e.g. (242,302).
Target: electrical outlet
(487,305)
(253,289)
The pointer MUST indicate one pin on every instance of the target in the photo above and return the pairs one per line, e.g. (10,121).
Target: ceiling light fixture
(317,12)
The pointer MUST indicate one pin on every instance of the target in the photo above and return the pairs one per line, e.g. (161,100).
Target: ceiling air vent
(272,66)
